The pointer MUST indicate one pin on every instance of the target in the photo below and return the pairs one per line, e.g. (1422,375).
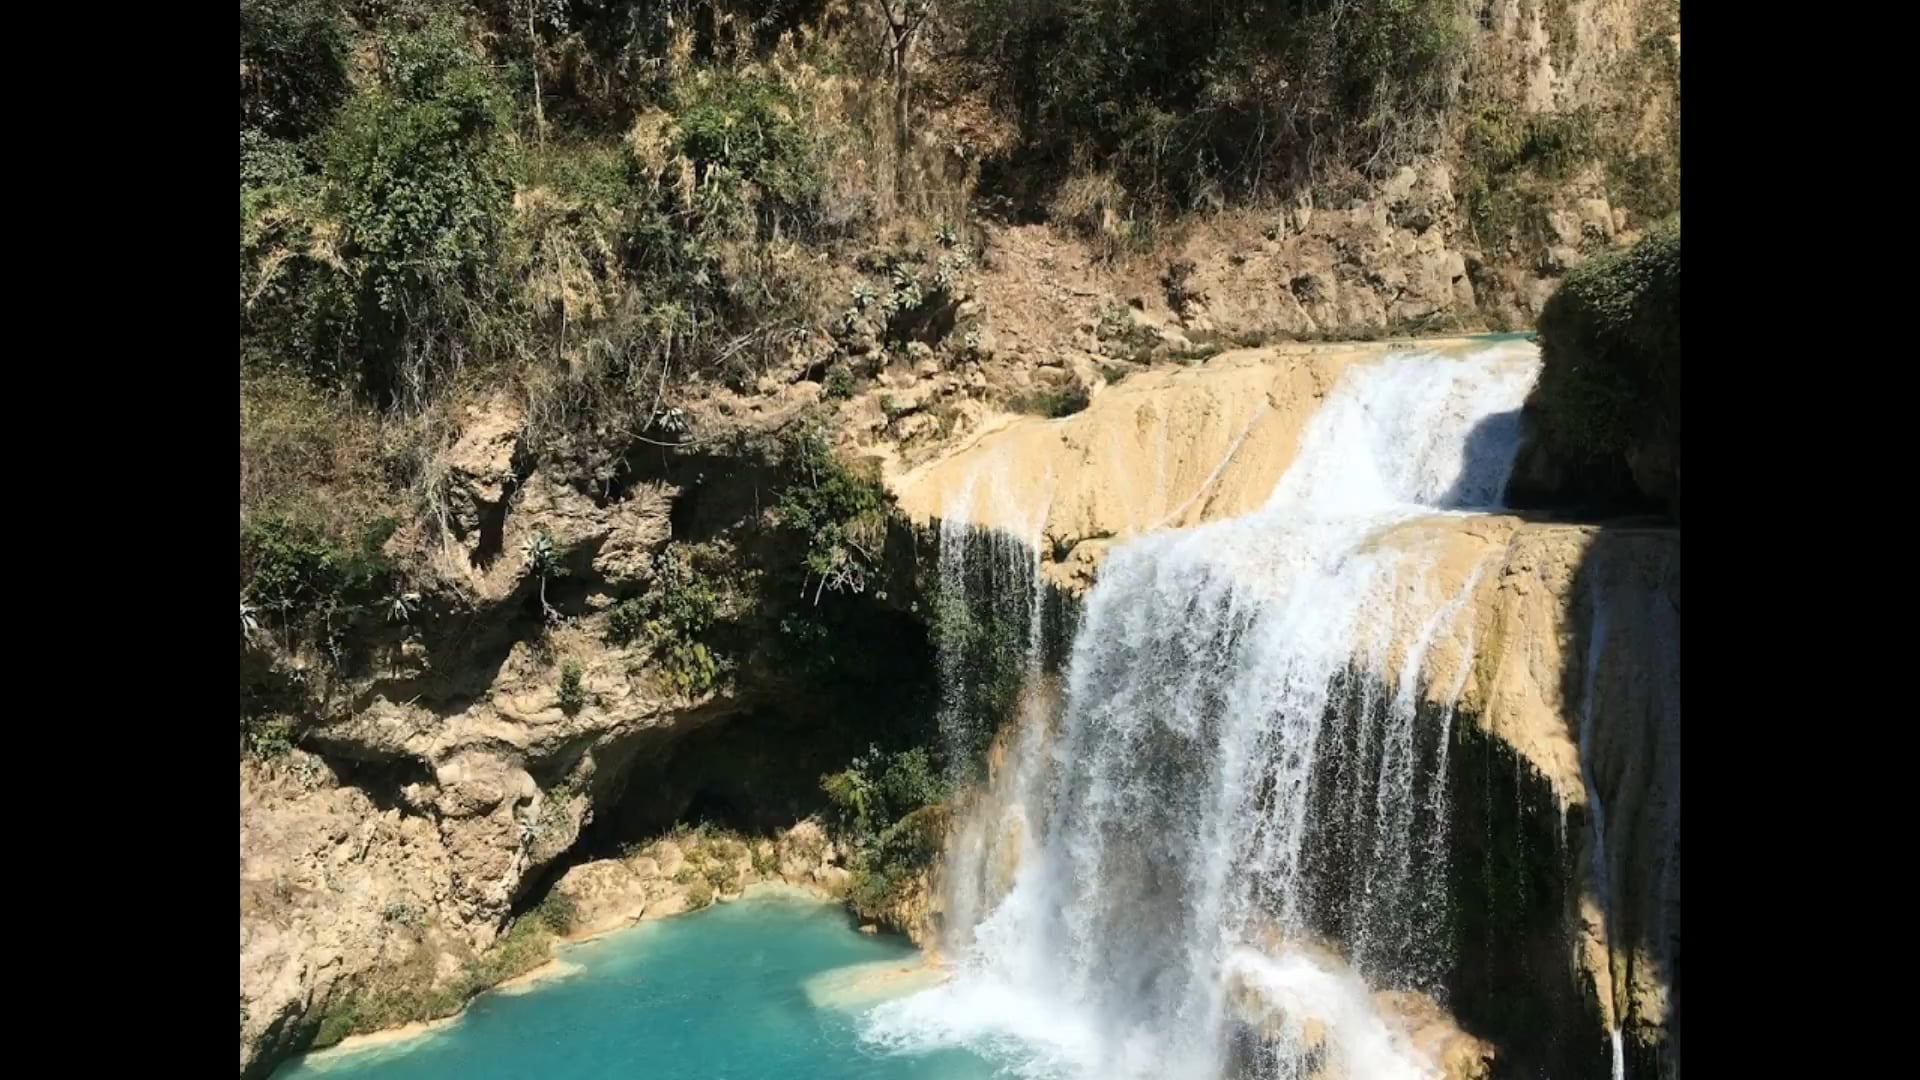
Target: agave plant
(543,560)
(402,607)
(672,420)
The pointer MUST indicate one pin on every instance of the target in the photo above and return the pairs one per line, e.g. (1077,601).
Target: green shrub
(1507,152)
(293,65)
(682,602)
(839,383)
(699,894)
(878,789)
(751,129)
(886,867)
(573,696)
(690,667)
(558,911)
(851,794)
(839,515)
(910,781)
(266,738)
(1610,353)
(627,620)
(384,245)
(420,179)
(308,582)
(1052,402)
(1181,99)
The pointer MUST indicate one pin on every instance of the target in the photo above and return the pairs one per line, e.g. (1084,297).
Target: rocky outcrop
(1572,662)
(1607,406)
(692,869)
(446,771)
(419,829)
(1169,448)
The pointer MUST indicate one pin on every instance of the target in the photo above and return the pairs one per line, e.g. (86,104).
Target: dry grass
(337,463)
(302,450)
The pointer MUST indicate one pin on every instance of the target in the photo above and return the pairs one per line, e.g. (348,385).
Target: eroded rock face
(421,820)
(687,872)
(441,782)
(330,884)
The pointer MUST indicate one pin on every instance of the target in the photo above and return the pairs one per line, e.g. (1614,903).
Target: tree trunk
(533,50)
(902,171)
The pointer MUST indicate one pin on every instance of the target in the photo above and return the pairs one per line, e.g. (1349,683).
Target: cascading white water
(1230,778)
(1596,645)
(990,583)
(1363,1044)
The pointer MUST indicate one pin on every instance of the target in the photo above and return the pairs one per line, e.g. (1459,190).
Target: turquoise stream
(768,987)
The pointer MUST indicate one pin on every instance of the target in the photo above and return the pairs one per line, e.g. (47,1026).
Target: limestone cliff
(1167,449)
(497,731)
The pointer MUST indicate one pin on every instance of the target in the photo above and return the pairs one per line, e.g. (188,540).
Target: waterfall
(1609,929)
(991,604)
(1239,774)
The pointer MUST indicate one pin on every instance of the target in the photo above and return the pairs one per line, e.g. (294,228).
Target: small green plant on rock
(267,739)
(573,696)
(840,515)
(1052,402)
(410,915)
(839,385)
(683,601)
(544,562)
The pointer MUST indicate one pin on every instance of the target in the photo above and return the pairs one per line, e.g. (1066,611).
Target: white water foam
(1359,1042)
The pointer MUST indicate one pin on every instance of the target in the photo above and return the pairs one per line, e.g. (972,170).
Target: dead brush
(1094,204)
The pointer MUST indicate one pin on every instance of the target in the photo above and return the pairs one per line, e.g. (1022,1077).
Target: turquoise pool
(771,986)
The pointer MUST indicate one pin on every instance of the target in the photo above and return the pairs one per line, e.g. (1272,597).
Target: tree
(554,14)
(905,18)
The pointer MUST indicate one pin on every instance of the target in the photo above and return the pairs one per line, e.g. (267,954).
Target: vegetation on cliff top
(601,206)
(1182,104)
(1609,388)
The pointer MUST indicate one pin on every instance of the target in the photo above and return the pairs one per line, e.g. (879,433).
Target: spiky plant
(402,606)
(543,560)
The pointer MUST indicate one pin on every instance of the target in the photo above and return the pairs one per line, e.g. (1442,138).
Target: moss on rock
(1606,411)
